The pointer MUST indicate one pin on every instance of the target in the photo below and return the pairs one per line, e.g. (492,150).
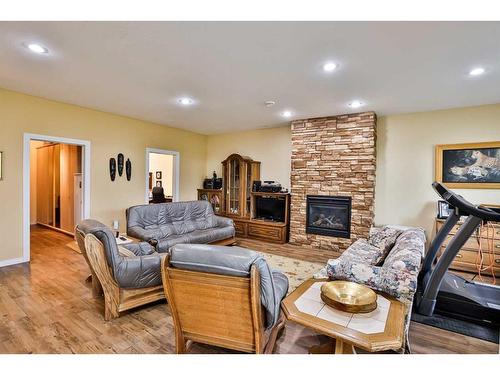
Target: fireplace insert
(328,215)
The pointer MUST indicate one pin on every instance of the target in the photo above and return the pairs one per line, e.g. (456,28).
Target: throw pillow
(384,239)
(362,252)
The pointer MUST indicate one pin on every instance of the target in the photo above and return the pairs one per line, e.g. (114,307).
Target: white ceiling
(140,69)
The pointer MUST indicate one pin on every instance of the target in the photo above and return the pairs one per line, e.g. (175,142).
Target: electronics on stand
(212,183)
(270,187)
(266,187)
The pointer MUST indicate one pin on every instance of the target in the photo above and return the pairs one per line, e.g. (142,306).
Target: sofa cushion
(385,238)
(281,284)
(195,237)
(362,251)
(124,252)
(407,252)
(166,243)
(210,235)
(397,283)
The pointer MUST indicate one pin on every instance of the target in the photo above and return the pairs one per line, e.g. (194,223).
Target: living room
(251,187)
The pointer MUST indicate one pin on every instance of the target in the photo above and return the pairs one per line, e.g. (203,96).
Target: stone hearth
(333,156)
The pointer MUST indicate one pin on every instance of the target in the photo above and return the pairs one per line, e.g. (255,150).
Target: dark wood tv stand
(266,230)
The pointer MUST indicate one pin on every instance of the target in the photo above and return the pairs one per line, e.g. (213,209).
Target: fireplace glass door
(328,216)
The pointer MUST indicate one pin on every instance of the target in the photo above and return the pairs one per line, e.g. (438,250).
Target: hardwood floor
(47,307)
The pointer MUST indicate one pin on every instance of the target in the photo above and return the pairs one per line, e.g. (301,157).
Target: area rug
(296,270)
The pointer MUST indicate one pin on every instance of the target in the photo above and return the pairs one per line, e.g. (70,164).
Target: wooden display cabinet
(215,197)
(239,174)
(238,201)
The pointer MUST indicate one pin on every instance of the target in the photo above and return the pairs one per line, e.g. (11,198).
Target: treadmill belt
(490,334)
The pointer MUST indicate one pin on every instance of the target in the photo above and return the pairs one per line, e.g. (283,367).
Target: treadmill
(448,294)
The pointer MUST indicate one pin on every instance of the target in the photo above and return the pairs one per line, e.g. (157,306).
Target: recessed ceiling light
(355,104)
(286,113)
(37,48)
(269,103)
(329,67)
(185,101)
(476,71)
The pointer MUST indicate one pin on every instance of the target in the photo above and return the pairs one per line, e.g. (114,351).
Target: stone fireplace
(332,157)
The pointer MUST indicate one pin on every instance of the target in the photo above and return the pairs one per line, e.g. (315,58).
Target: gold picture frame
(468,165)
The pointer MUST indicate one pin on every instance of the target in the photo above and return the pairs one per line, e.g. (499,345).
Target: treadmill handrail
(465,207)
(436,243)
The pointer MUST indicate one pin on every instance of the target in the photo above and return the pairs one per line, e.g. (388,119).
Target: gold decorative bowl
(348,296)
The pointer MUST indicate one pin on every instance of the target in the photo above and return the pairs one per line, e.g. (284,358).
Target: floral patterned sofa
(389,261)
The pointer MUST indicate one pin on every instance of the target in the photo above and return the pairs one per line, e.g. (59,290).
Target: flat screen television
(270,208)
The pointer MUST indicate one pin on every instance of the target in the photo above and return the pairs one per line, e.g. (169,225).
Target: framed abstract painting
(469,165)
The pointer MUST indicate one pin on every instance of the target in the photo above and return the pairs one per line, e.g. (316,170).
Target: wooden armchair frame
(116,299)
(218,310)
(96,285)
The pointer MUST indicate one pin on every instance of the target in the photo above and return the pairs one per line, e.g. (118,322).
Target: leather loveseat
(167,224)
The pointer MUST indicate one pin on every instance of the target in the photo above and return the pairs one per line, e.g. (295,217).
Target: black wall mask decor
(112,168)
(128,169)
(120,164)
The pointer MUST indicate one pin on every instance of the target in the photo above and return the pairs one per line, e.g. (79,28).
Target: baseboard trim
(11,262)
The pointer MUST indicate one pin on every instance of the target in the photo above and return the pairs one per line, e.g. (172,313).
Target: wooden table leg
(335,346)
(328,348)
(342,347)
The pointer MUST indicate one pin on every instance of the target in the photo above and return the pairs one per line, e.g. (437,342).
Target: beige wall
(272,147)
(405,160)
(164,164)
(109,134)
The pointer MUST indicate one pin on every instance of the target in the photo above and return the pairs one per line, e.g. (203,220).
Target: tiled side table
(381,329)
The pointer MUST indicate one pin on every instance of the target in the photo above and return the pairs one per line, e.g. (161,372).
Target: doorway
(56,185)
(162,173)
(56,182)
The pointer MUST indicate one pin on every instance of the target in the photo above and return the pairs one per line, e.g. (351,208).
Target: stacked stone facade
(333,156)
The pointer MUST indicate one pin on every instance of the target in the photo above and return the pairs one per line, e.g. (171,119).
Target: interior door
(78,198)
(45,185)
(68,167)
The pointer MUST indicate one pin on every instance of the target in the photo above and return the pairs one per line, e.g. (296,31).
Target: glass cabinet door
(248,187)
(234,187)
(215,201)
